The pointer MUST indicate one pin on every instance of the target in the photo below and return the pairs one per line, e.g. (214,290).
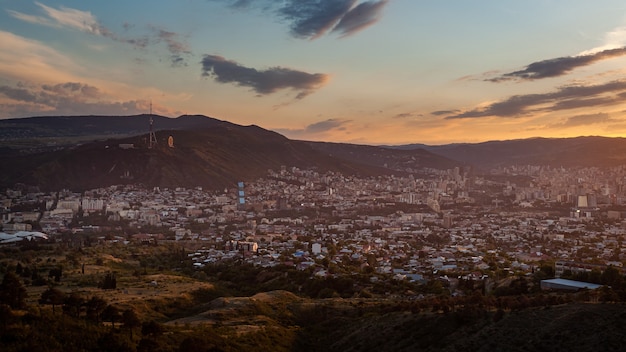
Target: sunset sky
(366,72)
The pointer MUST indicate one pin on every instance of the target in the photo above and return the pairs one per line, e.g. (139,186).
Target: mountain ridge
(578,151)
(214,156)
(80,152)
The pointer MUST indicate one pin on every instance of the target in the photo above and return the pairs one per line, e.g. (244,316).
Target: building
(92,205)
(561,266)
(567,285)
(241,200)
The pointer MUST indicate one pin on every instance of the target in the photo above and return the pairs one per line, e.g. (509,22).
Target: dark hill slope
(214,158)
(571,327)
(394,159)
(567,152)
(73,126)
(39,134)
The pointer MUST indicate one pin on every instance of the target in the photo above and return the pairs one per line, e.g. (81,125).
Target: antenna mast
(153,140)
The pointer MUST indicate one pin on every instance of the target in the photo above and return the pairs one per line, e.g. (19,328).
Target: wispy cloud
(564,98)
(405,115)
(62,17)
(70,98)
(313,18)
(317,129)
(86,22)
(559,66)
(444,112)
(612,40)
(310,19)
(585,120)
(326,125)
(26,59)
(360,17)
(262,81)
(175,44)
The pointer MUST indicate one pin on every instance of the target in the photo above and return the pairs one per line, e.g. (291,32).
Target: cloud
(265,81)
(585,120)
(559,66)
(310,19)
(72,88)
(84,21)
(564,98)
(30,60)
(313,18)
(406,115)
(19,94)
(177,46)
(317,128)
(360,17)
(63,17)
(612,40)
(325,126)
(444,112)
(70,98)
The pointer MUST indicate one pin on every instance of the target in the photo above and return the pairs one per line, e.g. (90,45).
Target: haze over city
(371,72)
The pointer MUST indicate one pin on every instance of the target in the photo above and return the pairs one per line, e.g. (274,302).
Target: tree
(56,273)
(130,320)
(612,277)
(12,292)
(109,282)
(73,304)
(6,315)
(95,306)
(19,269)
(151,328)
(53,297)
(112,314)
(198,344)
(148,345)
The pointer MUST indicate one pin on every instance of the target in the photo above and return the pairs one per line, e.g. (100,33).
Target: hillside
(570,327)
(74,126)
(206,152)
(395,159)
(46,133)
(84,152)
(566,152)
(214,158)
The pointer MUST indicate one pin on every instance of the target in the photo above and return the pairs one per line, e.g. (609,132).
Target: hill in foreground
(571,327)
(208,309)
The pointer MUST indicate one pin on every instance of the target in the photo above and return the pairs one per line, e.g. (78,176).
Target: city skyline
(368,72)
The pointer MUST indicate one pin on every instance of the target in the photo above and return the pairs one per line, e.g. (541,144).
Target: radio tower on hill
(153,140)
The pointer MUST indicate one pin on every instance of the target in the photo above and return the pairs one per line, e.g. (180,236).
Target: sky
(354,71)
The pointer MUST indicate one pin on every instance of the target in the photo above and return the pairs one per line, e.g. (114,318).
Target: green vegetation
(148,298)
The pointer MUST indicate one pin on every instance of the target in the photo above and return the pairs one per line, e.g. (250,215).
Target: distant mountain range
(566,152)
(84,152)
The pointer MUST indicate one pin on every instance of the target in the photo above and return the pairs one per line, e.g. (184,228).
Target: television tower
(153,140)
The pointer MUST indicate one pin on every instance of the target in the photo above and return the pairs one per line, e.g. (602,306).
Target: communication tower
(153,140)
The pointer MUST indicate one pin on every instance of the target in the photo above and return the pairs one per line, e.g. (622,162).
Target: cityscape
(312,175)
(446,225)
